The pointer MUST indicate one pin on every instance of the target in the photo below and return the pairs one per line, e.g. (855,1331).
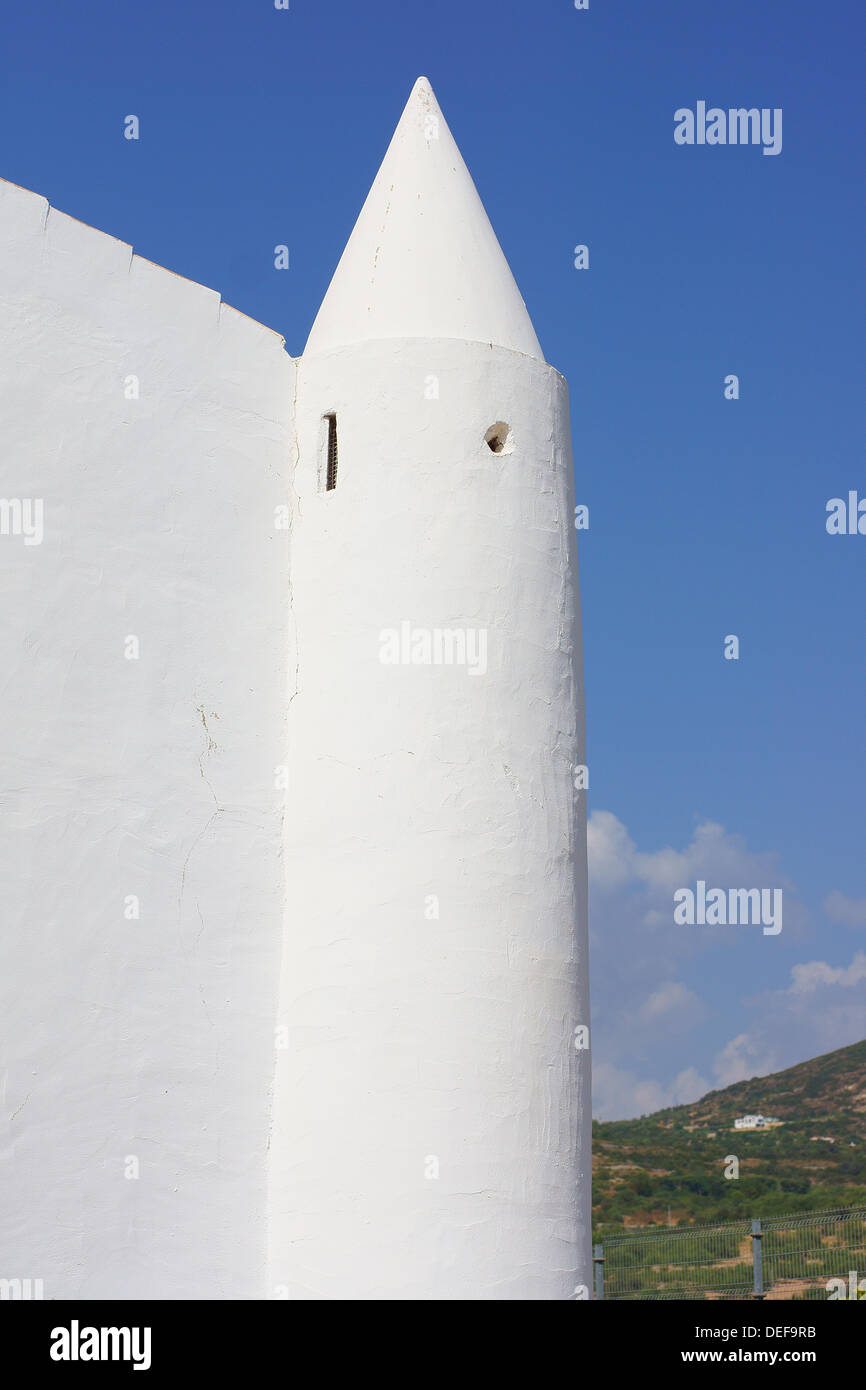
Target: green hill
(675,1159)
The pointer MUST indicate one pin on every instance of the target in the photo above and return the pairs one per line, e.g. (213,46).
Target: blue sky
(707,516)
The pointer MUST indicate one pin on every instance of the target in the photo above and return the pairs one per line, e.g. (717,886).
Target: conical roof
(423,260)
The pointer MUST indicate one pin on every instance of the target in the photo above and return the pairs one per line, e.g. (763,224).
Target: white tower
(432,1117)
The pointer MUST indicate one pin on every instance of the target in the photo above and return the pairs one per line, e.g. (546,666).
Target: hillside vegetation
(675,1159)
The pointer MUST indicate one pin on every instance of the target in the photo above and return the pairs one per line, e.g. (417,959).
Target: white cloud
(611,851)
(620,1094)
(823,1008)
(814,973)
(851,911)
(638,952)
(712,853)
(720,858)
(648,1021)
(743,1057)
(671,1000)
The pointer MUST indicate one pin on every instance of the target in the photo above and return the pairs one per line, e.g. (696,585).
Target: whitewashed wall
(146,1043)
(151,777)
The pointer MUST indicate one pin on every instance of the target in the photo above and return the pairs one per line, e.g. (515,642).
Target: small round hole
(499,439)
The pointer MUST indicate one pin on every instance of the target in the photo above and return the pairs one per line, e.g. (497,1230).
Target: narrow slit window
(331,474)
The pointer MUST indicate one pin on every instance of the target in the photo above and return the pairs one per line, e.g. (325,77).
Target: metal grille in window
(331,482)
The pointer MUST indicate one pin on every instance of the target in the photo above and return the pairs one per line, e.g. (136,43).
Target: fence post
(598,1265)
(757,1259)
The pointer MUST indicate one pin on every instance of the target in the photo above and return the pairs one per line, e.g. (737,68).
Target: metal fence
(783,1257)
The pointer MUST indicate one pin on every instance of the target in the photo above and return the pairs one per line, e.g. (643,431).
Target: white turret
(431,1116)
